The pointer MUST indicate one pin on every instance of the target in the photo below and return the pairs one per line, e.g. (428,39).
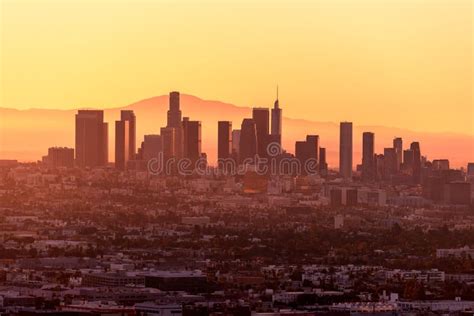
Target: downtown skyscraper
(91,139)
(174,122)
(276,128)
(261,117)
(345,150)
(368,164)
(224,139)
(248,145)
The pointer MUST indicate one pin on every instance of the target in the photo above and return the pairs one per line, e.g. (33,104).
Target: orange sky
(404,63)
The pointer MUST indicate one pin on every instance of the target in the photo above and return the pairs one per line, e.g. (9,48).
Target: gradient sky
(403,63)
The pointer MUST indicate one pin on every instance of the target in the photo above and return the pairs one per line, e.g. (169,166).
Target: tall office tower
(60,157)
(236,141)
(122,144)
(379,165)
(261,117)
(248,144)
(415,146)
(305,150)
(313,146)
(408,160)
(398,145)
(390,162)
(192,141)
(184,125)
(168,142)
(174,112)
(276,121)
(91,138)
(345,150)
(302,152)
(224,139)
(174,121)
(323,165)
(105,142)
(128,115)
(151,147)
(368,168)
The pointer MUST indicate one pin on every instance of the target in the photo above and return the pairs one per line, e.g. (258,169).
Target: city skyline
(459,156)
(181,139)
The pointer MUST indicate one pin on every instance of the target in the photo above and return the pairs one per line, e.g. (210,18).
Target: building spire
(276,105)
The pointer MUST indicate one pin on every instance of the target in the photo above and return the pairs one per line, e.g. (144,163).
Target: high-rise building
(224,139)
(168,138)
(390,162)
(415,147)
(152,146)
(323,166)
(248,140)
(368,168)
(105,142)
(313,146)
(174,112)
(302,151)
(192,137)
(60,157)
(306,150)
(345,150)
(398,145)
(236,141)
(128,115)
(174,121)
(91,138)
(276,128)
(261,117)
(122,144)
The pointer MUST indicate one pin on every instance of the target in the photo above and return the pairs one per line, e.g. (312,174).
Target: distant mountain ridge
(26,134)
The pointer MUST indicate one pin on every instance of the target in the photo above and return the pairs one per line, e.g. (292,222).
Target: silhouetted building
(192,139)
(398,145)
(224,139)
(379,162)
(122,143)
(276,121)
(440,164)
(323,165)
(390,162)
(261,117)
(306,150)
(174,121)
(168,138)
(152,146)
(60,157)
(408,161)
(91,139)
(128,115)
(248,140)
(415,147)
(313,143)
(236,142)
(368,167)
(345,150)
